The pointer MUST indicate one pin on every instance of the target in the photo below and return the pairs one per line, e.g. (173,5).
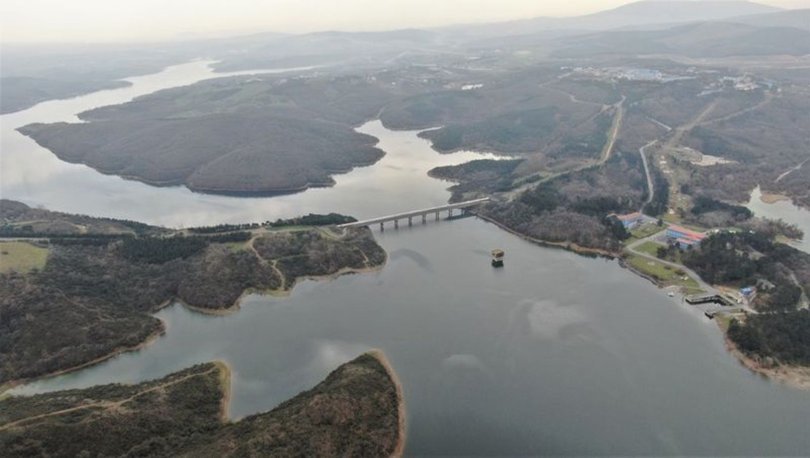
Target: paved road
(633,247)
(709,289)
(650,188)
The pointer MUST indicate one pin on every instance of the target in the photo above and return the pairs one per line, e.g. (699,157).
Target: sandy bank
(771,198)
(401,413)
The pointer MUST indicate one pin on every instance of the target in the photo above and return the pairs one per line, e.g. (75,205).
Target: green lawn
(650,248)
(21,257)
(664,273)
(236,246)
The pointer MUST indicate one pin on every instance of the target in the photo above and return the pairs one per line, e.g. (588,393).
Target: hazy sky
(138,20)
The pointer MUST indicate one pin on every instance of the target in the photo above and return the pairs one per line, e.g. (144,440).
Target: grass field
(21,257)
(663,273)
(645,231)
(236,246)
(651,248)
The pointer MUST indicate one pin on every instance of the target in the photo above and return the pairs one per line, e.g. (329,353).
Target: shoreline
(227,390)
(569,246)
(163,327)
(796,377)
(152,338)
(402,430)
(237,193)
(793,376)
(772,198)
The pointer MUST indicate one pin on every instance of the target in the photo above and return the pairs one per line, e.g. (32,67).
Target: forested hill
(93,294)
(354,412)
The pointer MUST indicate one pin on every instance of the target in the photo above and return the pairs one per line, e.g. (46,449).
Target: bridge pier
(424,213)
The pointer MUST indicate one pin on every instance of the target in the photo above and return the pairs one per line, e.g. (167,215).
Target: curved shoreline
(797,377)
(329,182)
(163,326)
(402,428)
(569,246)
(793,376)
(152,338)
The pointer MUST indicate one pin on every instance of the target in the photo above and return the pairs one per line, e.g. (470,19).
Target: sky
(49,21)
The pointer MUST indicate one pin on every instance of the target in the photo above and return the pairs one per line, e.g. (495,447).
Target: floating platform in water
(497,258)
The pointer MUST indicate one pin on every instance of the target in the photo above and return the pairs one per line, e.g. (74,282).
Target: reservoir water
(554,354)
(34,175)
(787,212)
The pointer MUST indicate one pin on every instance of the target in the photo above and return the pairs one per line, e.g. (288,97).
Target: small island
(358,410)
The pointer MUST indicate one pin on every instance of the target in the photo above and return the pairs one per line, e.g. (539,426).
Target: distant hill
(799,19)
(647,13)
(319,48)
(709,39)
(673,11)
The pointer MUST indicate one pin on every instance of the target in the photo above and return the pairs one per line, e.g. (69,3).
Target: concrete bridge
(423,213)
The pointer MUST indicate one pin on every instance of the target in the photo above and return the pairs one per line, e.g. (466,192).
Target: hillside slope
(355,411)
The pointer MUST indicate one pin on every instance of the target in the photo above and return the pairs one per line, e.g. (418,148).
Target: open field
(650,248)
(644,232)
(21,257)
(662,272)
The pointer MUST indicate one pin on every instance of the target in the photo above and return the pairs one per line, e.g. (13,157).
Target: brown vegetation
(95,298)
(356,411)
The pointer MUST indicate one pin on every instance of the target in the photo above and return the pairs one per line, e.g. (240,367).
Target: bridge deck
(411,214)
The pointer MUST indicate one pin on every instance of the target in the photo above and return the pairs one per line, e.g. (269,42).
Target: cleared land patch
(21,257)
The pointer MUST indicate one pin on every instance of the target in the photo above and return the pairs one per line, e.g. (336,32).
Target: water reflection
(35,176)
(786,211)
(556,354)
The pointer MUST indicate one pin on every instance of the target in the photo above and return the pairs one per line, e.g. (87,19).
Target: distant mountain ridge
(637,14)
(707,39)
(799,19)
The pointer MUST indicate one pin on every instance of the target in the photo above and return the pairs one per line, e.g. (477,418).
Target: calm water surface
(554,354)
(34,175)
(786,211)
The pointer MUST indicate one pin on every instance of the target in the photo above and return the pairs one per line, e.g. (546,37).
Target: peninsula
(358,410)
(97,281)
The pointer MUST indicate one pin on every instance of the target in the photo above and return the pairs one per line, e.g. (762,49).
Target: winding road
(650,188)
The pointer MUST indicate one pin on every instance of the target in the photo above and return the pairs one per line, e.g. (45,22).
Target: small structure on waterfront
(497,258)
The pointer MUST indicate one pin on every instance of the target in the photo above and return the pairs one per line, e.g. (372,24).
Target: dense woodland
(155,418)
(20,220)
(709,212)
(313,219)
(774,337)
(353,412)
(574,207)
(765,143)
(95,297)
(781,331)
(752,259)
(476,178)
